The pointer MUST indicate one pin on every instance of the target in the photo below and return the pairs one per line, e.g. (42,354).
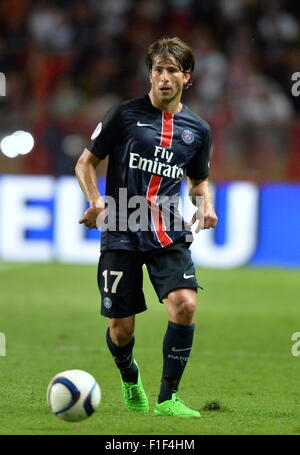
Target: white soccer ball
(73,395)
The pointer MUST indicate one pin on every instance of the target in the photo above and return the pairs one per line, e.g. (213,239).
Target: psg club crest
(187,136)
(107,302)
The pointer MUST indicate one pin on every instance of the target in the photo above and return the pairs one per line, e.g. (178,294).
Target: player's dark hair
(171,47)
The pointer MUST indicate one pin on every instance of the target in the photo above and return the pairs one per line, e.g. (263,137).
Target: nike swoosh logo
(165,412)
(179,350)
(143,124)
(187,276)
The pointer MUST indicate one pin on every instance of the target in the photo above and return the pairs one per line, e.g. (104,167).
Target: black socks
(123,358)
(177,346)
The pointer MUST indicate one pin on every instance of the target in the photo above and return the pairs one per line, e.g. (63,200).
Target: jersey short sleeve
(198,167)
(106,134)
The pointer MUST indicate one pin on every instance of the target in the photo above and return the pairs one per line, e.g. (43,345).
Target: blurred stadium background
(67,61)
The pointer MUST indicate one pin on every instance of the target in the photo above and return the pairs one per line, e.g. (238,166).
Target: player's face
(167,80)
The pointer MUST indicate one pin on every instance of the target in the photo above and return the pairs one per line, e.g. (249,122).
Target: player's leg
(120,284)
(177,346)
(173,276)
(121,330)
(120,341)
(178,340)
(181,305)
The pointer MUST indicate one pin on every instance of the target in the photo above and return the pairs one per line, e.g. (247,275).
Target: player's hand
(206,217)
(93,217)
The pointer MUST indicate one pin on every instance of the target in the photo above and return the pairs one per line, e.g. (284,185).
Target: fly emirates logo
(156,166)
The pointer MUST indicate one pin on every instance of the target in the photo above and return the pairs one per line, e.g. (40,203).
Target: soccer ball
(73,395)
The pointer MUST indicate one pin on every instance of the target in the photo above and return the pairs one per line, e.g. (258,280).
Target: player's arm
(85,171)
(200,195)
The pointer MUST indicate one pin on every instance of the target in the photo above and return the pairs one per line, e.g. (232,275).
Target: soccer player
(152,142)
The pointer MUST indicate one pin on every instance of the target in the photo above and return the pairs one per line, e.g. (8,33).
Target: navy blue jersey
(150,151)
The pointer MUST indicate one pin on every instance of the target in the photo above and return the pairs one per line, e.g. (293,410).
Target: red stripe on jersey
(166,129)
(156,214)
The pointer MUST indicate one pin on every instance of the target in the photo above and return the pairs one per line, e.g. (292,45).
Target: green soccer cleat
(174,407)
(134,395)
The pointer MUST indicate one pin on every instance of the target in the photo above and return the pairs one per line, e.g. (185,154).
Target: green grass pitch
(241,356)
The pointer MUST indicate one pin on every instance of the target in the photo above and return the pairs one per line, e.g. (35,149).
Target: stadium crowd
(67,61)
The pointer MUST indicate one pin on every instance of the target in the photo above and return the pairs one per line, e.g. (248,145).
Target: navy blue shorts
(120,277)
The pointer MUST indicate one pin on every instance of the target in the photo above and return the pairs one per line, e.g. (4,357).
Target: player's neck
(172,107)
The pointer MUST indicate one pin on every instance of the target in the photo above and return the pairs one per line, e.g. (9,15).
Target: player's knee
(121,330)
(121,336)
(184,307)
